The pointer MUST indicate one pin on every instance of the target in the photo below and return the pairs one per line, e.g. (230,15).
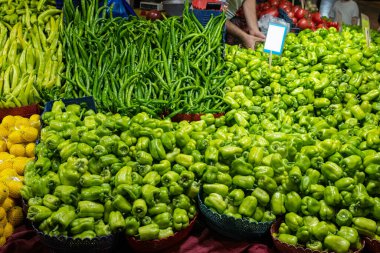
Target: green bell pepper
(116,221)
(216,188)
(63,217)
(343,217)
(157,150)
(314,245)
(215,201)
(292,202)
(67,194)
(349,233)
(162,167)
(326,212)
(288,239)
(139,208)
(332,196)
(80,225)
(310,206)
(148,232)
(132,192)
(163,220)
(101,229)
(248,206)
(293,221)
(365,226)
(121,204)
(180,219)
(181,201)
(152,177)
(331,171)
(132,225)
(261,195)
(277,203)
(123,176)
(38,213)
(51,201)
(336,243)
(144,158)
(90,209)
(245,182)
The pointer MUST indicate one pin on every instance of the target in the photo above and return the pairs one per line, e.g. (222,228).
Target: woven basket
(237,229)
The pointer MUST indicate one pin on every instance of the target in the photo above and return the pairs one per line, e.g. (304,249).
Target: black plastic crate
(204,15)
(284,16)
(87,101)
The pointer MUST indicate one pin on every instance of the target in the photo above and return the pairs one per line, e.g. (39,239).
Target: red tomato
(316,17)
(321,25)
(295,8)
(265,6)
(294,20)
(290,14)
(153,15)
(274,3)
(286,8)
(271,11)
(285,5)
(303,23)
(301,13)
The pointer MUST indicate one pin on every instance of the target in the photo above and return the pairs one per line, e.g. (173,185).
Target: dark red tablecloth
(201,240)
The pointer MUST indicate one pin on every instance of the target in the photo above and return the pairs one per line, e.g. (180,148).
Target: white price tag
(275,38)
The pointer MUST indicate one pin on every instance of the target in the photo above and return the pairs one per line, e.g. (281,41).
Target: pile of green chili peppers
(174,65)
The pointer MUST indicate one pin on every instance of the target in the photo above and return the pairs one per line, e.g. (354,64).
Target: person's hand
(257,33)
(250,41)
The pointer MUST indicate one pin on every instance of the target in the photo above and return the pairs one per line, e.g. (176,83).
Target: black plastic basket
(204,15)
(237,229)
(65,244)
(88,102)
(284,16)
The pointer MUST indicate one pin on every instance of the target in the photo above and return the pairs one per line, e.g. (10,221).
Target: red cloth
(201,240)
(24,239)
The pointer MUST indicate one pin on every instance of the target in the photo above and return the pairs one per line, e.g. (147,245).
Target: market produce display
(99,174)
(31,52)
(18,136)
(316,112)
(172,65)
(298,143)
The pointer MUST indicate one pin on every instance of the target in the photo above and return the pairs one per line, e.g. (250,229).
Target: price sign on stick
(275,39)
(365,26)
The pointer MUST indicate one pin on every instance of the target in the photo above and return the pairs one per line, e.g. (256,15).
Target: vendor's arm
(249,8)
(355,16)
(248,39)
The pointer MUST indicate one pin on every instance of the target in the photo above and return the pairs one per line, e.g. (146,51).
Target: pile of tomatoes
(300,17)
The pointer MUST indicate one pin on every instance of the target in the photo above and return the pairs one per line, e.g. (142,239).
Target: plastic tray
(24,111)
(159,245)
(372,246)
(287,248)
(237,229)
